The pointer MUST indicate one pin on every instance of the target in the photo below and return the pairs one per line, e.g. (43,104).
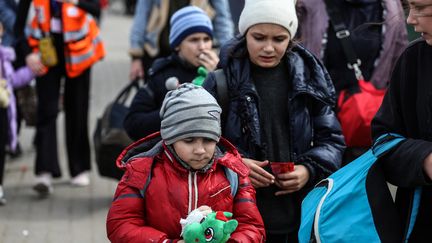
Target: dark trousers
(282,238)
(76,105)
(3,140)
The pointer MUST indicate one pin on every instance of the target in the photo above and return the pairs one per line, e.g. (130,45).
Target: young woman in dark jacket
(191,41)
(280,109)
(407,110)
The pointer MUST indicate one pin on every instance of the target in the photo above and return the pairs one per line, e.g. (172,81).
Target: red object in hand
(282,167)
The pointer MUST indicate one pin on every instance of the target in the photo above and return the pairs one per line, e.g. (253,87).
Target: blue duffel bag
(354,204)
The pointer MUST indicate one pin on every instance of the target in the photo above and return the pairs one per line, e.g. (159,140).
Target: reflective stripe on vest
(77,34)
(82,57)
(35,33)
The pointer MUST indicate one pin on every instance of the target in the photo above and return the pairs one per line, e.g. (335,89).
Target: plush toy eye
(209,234)
(202,220)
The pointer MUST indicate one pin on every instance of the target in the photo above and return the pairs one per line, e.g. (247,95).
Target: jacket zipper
(290,139)
(193,191)
(318,211)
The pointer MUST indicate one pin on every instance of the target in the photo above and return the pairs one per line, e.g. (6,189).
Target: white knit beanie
(280,12)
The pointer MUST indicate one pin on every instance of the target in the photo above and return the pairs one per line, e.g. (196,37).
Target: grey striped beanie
(189,111)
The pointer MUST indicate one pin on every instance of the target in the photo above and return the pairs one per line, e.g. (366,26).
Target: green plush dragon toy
(215,228)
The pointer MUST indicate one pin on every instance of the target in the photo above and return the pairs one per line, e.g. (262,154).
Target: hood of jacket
(152,145)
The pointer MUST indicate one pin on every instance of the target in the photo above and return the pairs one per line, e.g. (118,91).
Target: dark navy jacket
(143,117)
(316,139)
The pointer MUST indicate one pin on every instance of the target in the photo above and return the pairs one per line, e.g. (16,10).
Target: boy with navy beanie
(187,21)
(191,41)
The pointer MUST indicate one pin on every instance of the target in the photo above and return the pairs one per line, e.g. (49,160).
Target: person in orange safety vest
(64,43)
(82,44)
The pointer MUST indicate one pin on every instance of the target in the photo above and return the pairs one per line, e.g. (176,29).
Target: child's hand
(205,210)
(292,181)
(4,94)
(34,62)
(258,176)
(208,59)
(195,216)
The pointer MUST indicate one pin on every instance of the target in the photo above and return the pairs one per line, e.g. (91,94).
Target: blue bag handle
(384,143)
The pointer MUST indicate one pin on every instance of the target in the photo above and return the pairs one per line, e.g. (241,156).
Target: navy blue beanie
(187,21)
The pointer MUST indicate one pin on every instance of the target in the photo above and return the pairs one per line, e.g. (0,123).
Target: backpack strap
(381,146)
(385,142)
(233,180)
(344,36)
(415,205)
(149,177)
(222,91)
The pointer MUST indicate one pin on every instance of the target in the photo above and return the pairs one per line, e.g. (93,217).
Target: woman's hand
(208,59)
(258,176)
(136,70)
(292,181)
(427,166)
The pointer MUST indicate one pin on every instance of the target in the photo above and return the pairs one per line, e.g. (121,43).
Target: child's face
(267,44)
(193,46)
(195,151)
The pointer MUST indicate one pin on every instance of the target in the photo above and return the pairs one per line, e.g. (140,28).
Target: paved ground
(70,214)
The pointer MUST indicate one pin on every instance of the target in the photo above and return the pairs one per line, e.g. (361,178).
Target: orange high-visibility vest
(82,43)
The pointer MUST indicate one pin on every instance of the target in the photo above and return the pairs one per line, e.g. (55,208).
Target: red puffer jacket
(152,213)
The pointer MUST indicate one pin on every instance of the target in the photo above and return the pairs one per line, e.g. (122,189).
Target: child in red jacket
(184,167)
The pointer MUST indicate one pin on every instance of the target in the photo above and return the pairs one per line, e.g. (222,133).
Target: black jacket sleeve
(403,165)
